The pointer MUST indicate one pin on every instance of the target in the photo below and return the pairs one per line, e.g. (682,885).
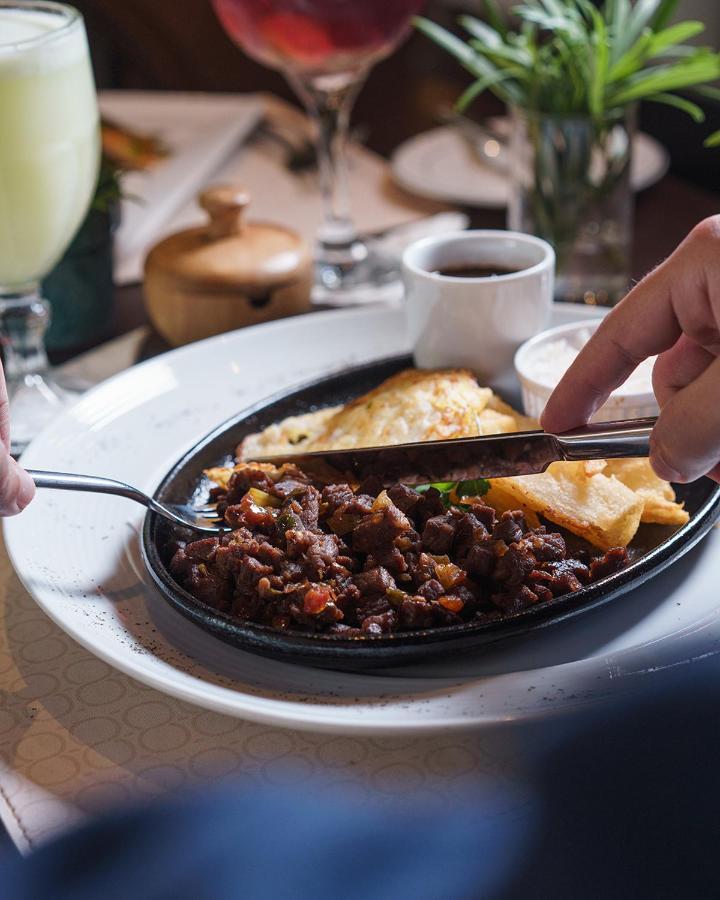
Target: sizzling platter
(653,548)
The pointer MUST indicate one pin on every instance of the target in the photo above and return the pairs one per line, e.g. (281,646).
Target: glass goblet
(49,158)
(325,48)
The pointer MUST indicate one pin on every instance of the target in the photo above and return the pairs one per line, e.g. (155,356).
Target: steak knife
(463,459)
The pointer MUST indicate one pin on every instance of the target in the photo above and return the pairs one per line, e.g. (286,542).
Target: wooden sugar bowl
(225,274)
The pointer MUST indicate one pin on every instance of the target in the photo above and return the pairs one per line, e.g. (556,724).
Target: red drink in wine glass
(320,36)
(325,48)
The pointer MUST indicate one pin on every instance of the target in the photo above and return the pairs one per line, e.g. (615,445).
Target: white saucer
(78,555)
(440,165)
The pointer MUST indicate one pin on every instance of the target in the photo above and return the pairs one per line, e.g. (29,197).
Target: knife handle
(608,440)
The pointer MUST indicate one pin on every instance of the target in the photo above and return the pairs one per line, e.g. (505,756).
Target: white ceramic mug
(477,323)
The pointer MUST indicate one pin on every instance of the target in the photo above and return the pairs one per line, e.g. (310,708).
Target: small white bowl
(538,376)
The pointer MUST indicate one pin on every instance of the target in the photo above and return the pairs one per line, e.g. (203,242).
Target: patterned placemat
(78,736)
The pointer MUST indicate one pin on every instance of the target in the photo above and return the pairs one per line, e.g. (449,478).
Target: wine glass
(49,159)
(325,48)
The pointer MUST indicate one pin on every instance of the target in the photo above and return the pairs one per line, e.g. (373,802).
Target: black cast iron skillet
(656,547)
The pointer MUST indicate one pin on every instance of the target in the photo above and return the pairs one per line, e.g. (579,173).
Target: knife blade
(464,459)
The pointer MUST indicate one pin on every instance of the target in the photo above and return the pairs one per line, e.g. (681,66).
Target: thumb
(16,487)
(685,443)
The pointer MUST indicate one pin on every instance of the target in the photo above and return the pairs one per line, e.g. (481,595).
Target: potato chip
(661,506)
(594,466)
(600,509)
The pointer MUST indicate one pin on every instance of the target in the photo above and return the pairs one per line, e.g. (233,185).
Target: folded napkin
(207,134)
(200,131)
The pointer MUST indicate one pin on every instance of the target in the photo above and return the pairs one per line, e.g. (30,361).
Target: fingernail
(26,489)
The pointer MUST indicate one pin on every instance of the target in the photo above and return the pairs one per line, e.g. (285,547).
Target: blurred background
(180,45)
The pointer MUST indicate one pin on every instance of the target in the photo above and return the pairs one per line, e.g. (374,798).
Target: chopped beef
(510,527)
(365,563)
(613,560)
(376,532)
(375,581)
(438,534)
(405,498)
(430,590)
(372,486)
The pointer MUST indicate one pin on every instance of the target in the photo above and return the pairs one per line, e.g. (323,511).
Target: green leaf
(713,140)
(469,94)
(659,79)
(494,17)
(477,87)
(444,487)
(445,39)
(692,109)
(707,90)
(639,18)
(665,12)
(488,36)
(676,34)
(633,60)
(601,61)
(505,56)
(477,487)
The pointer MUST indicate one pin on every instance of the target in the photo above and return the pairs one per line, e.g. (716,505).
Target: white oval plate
(78,554)
(440,165)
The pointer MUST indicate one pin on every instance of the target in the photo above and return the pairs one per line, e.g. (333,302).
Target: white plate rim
(318,717)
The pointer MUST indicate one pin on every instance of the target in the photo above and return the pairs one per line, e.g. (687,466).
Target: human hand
(674,312)
(16,487)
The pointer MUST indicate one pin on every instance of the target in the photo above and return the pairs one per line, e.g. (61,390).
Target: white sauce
(548,362)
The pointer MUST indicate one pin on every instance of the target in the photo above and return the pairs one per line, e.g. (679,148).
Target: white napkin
(201,130)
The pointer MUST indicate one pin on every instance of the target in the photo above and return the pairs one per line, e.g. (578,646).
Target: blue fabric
(246,843)
(622,803)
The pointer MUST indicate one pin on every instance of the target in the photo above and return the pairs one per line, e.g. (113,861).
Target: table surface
(664,214)
(57,761)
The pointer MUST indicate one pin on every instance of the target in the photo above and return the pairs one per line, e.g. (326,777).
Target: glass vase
(570,184)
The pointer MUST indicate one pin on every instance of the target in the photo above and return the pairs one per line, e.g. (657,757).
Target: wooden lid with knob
(228,252)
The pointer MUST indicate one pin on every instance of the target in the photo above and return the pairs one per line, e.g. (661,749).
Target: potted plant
(572,75)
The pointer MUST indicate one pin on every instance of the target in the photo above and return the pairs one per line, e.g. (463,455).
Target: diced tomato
(316,599)
(452,604)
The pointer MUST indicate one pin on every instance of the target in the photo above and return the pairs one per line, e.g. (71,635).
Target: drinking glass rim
(71,18)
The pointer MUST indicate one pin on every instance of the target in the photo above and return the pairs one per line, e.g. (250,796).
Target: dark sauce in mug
(470,271)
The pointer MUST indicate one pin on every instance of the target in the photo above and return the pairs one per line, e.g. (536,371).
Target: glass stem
(24,319)
(329,101)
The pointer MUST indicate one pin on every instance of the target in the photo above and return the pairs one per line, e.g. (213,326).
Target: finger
(16,487)
(685,443)
(4,412)
(678,367)
(677,297)
(621,342)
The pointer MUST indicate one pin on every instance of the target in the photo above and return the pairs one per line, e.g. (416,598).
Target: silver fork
(204,519)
